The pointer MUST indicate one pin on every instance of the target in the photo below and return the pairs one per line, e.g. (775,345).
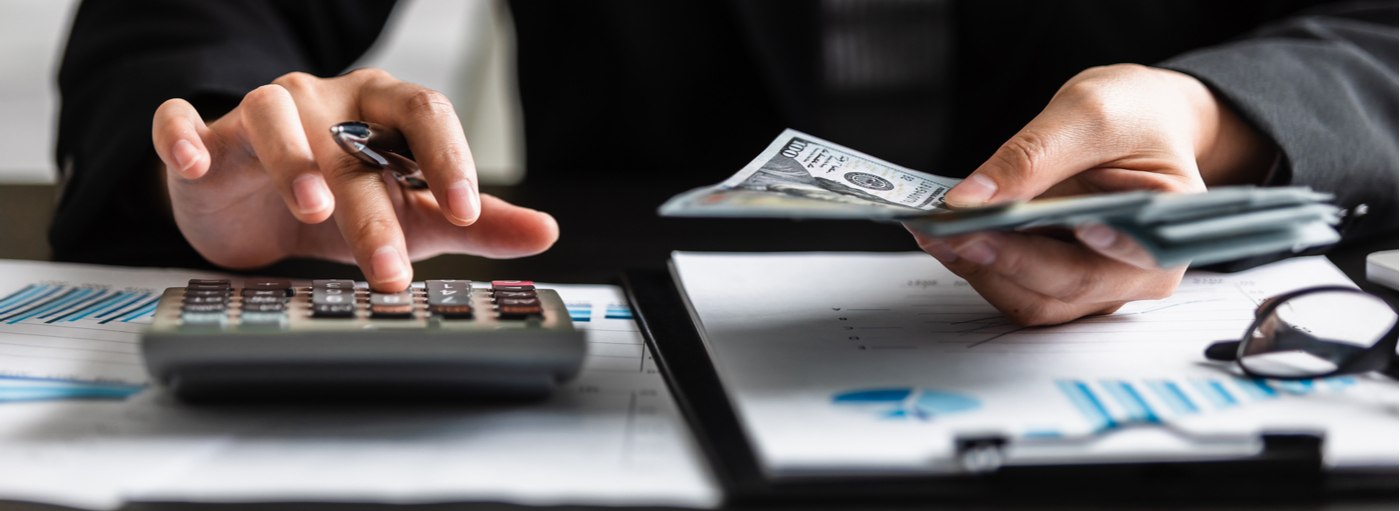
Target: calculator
(337,339)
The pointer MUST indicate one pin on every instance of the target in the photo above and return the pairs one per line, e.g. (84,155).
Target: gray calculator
(338,340)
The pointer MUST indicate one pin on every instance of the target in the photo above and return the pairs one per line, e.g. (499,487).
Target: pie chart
(905,402)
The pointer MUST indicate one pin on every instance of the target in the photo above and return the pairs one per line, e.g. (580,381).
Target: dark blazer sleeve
(125,57)
(1323,86)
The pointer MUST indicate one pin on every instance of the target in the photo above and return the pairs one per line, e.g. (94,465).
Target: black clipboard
(1289,466)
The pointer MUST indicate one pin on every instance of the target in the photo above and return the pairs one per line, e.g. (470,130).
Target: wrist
(1229,151)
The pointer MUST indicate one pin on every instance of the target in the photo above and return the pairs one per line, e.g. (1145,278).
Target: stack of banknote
(804,177)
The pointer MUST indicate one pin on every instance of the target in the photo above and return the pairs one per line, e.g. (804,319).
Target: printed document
(877,362)
(612,436)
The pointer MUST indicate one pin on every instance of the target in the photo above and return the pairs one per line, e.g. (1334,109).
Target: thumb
(175,132)
(1044,153)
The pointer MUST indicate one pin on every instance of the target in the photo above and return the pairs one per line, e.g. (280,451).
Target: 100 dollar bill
(802,176)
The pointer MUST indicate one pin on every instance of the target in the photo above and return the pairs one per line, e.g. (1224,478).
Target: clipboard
(1288,467)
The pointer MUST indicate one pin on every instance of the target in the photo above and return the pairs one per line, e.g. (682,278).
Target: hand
(258,184)
(1112,128)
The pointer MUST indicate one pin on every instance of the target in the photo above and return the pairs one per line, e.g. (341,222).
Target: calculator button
(333,284)
(224,283)
(391,305)
(333,310)
(203,319)
(452,311)
(333,292)
(513,294)
(205,299)
(453,307)
(283,286)
(206,291)
(519,311)
(260,298)
(333,296)
(203,307)
(513,285)
(461,286)
(506,302)
(278,293)
(263,320)
(450,298)
(264,307)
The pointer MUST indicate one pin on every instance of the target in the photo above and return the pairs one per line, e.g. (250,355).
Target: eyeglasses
(1314,333)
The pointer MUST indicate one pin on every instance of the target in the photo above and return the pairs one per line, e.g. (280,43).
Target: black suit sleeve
(125,57)
(1323,87)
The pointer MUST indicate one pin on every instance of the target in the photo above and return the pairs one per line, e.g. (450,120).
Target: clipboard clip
(990,454)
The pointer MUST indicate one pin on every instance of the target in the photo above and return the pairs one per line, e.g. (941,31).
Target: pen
(380,148)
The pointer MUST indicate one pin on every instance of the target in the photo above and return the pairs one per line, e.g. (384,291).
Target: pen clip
(380,148)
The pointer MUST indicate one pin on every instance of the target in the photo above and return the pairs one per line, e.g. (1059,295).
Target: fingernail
(1098,236)
(978,252)
(185,155)
(462,202)
(976,190)
(388,264)
(310,193)
(941,251)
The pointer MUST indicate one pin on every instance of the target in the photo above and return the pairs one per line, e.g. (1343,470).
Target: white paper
(78,322)
(841,362)
(611,436)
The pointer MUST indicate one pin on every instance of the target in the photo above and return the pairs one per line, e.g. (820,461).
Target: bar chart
(907,403)
(66,340)
(51,303)
(1103,404)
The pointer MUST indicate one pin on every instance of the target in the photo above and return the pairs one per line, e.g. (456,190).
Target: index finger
(434,133)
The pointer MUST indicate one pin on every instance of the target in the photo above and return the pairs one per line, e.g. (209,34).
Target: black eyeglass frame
(1380,356)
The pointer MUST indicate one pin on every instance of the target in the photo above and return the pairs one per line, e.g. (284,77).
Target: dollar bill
(802,176)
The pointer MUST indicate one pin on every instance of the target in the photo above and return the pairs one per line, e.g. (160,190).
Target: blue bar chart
(1109,403)
(66,340)
(1101,404)
(583,312)
(55,302)
(618,311)
(580,312)
(907,403)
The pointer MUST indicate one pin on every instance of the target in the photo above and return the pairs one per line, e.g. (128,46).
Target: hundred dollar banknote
(802,176)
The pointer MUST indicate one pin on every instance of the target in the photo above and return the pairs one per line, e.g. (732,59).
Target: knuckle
(372,228)
(346,170)
(288,157)
(1081,288)
(1101,102)
(973,273)
(1020,155)
(296,80)
(1013,263)
(369,74)
(453,159)
(1031,313)
(429,103)
(266,96)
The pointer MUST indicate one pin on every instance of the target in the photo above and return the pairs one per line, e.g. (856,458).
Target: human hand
(1113,128)
(258,184)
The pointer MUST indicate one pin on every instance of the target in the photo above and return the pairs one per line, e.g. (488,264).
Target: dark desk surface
(599,237)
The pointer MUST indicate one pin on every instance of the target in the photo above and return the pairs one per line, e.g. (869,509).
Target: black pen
(380,148)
